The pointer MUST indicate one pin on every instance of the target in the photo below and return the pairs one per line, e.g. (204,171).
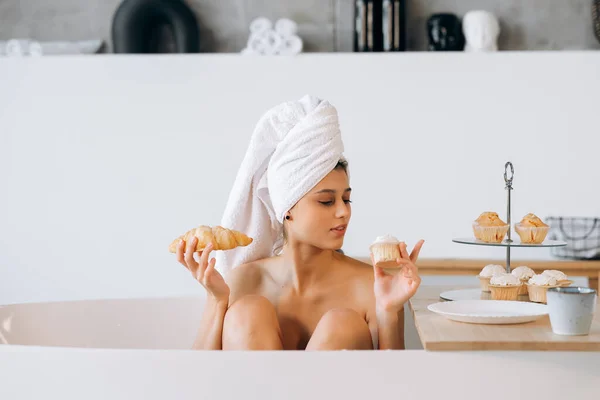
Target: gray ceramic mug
(571,309)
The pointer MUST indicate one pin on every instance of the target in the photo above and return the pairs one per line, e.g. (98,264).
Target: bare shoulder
(358,269)
(360,282)
(245,279)
(250,271)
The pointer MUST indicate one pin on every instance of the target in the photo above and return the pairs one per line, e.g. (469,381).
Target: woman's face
(321,217)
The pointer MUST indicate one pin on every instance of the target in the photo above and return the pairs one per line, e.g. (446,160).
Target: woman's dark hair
(341,164)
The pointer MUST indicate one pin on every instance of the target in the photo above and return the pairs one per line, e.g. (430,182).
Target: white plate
(472,294)
(465,294)
(489,311)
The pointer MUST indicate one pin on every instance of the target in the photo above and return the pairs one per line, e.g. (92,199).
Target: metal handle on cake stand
(508,186)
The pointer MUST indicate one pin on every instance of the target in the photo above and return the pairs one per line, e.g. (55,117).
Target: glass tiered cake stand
(508,243)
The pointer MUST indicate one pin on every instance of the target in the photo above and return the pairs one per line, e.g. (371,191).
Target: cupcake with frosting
(561,277)
(385,250)
(487,273)
(538,285)
(531,229)
(524,273)
(489,228)
(505,286)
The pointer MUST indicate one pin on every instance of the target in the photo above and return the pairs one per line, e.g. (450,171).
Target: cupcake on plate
(489,228)
(561,278)
(385,250)
(487,273)
(505,286)
(531,229)
(524,273)
(538,286)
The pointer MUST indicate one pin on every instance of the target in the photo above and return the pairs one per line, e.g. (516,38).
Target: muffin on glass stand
(524,273)
(487,273)
(505,287)
(532,229)
(561,278)
(489,228)
(538,286)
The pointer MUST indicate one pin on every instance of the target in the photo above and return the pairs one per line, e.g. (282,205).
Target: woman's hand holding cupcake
(392,291)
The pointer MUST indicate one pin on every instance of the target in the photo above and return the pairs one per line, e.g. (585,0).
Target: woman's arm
(211,325)
(241,281)
(218,293)
(390,328)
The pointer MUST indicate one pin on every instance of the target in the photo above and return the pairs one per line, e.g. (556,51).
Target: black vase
(445,33)
(136,26)
(596,18)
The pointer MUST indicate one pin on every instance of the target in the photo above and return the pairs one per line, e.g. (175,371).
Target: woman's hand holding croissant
(202,269)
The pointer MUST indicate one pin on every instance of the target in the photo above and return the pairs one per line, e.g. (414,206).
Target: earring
(287,217)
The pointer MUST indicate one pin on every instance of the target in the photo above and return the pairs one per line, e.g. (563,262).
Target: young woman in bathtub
(309,297)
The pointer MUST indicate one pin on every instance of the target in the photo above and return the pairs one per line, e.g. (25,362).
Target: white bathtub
(147,323)
(139,348)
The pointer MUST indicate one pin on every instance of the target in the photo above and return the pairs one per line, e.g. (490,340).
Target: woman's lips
(339,230)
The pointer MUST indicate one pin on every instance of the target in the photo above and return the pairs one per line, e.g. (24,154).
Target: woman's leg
(341,329)
(251,324)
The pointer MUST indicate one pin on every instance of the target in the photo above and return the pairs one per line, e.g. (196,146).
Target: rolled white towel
(79,47)
(64,48)
(29,47)
(290,46)
(265,43)
(286,27)
(16,47)
(35,49)
(260,24)
(294,145)
(255,43)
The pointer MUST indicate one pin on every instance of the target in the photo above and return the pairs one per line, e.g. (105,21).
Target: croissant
(221,238)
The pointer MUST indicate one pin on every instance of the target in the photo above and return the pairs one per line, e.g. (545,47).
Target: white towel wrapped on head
(293,147)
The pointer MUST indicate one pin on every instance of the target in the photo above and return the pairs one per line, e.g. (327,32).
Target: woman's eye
(331,202)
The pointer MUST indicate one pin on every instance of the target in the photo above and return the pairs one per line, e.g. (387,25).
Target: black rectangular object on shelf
(379,25)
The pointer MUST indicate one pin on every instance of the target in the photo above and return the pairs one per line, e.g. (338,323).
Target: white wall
(105,159)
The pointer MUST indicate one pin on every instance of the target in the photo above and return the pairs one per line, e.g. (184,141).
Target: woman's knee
(344,319)
(249,318)
(343,328)
(250,310)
